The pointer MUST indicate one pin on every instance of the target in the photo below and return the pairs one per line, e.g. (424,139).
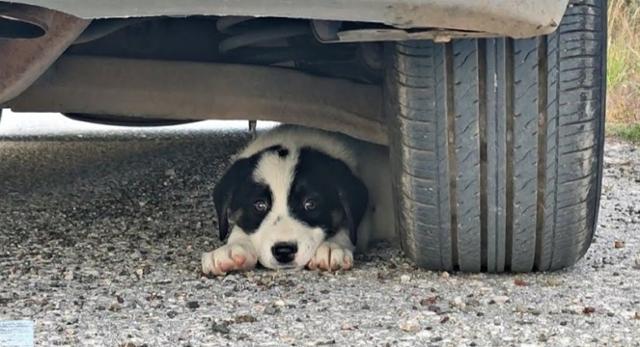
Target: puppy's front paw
(330,257)
(231,257)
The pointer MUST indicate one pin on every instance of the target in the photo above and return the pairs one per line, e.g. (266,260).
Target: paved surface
(100,243)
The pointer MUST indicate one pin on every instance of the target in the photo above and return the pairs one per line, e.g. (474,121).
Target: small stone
(535,312)
(279,303)
(410,326)
(139,273)
(520,282)
(405,278)
(172,314)
(347,327)
(552,282)
(245,318)
(366,307)
(170,172)
(220,328)
(193,305)
(473,302)
(128,344)
(434,308)
(444,319)
(271,310)
(573,309)
(588,310)
(444,274)
(610,314)
(637,315)
(330,342)
(618,244)
(68,275)
(115,307)
(429,301)
(457,302)
(499,299)
(636,262)
(153,296)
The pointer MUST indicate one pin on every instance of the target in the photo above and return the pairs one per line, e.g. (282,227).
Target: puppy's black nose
(284,252)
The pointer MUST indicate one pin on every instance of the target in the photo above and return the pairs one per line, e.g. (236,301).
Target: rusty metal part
(437,35)
(190,90)
(23,61)
(331,32)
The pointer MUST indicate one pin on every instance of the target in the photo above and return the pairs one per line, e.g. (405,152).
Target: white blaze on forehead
(279,225)
(278,174)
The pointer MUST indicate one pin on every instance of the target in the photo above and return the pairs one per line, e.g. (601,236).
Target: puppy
(297,197)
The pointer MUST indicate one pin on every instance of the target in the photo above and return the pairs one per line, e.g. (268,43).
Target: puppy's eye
(310,205)
(261,206)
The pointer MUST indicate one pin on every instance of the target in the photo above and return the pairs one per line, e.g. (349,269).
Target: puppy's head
(287,202)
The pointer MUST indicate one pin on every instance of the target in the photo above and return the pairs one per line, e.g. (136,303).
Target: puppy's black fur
(340,196)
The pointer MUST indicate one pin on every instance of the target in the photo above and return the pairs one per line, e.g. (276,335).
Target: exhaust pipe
(31,39)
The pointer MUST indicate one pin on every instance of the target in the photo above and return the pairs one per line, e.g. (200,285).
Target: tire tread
(497,146)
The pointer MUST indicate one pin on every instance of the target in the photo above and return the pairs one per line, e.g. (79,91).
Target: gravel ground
(100,243)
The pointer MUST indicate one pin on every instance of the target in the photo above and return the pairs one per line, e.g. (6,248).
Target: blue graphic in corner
(16,333)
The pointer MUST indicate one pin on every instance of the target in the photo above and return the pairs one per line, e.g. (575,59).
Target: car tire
(497,146)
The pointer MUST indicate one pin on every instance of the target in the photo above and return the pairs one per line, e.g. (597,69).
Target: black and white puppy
(297,197)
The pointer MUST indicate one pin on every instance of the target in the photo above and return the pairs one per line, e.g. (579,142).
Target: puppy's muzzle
(284,252)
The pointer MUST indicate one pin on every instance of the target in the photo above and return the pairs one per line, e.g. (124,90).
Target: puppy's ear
(224,190)
(354,198)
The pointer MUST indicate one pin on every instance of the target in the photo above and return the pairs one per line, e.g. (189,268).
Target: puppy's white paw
(330,257)
(230,257)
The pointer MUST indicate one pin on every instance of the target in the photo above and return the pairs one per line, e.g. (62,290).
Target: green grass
(623,64)
(628,132)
